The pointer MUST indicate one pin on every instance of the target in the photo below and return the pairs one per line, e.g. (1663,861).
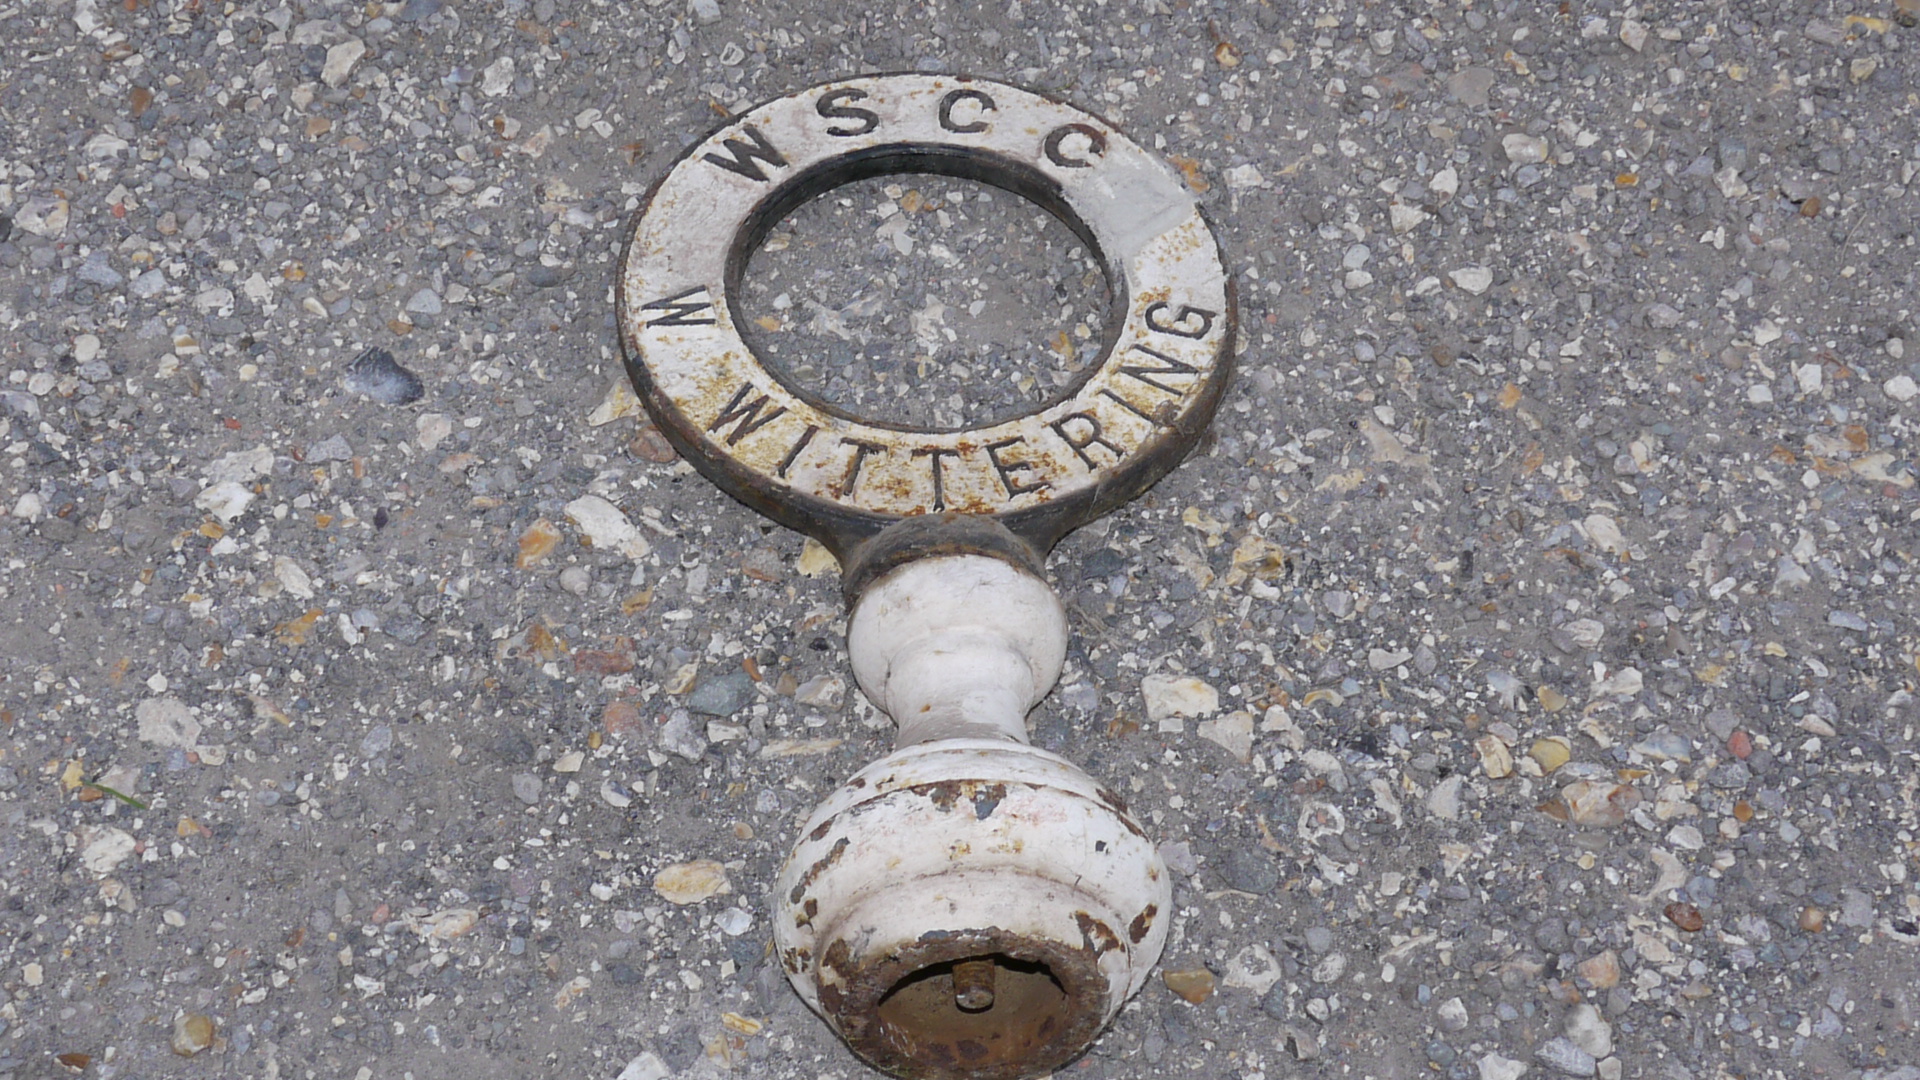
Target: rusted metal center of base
(972,1005)
(778,447)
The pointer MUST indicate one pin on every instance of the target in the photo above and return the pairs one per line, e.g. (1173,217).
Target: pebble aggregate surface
(1519,679)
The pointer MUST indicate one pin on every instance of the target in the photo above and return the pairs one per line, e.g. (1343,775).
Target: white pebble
(1495,1067)
(45,216)
(647,1066)
(1525,149)
(167,722)
(340,61)
(225,501)
(1383,660)
(1232,733)
(497,78)
(1173,695)
(1686,837)
(104,848)
(1330,968)
(1589,1031)
(1605,534)
(1443,801)
(1245,176)
(606,527)
(1901,388)
(1473,279)
(431,430)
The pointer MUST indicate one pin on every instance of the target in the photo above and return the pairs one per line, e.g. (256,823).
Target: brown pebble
(536,543)
(1740,745)
(1811,207)
(1194,985)
(602,661)
(192,1033)
(622,720)
(650,445)
(1812,919)
(1598,804)
(1685,916)
(762,564)
(1602,972)
(1743,811)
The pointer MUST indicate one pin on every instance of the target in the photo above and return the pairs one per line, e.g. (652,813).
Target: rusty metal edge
(855,1010)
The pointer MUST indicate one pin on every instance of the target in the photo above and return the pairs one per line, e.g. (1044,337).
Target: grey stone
(1470,86)
(97,270)
(1178,855)
(1276,1002)
(424,302)
(683,736)
(722,696)
(1856,908)
(376,374)
(1562,1056)
(1847,620)
(526,788)
(543,276)
(1248,869)
(331,448)
(378,741)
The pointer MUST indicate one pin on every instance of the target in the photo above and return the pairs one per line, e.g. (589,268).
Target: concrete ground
(1549,569)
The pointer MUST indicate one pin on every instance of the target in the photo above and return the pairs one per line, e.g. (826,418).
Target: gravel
(1575,391)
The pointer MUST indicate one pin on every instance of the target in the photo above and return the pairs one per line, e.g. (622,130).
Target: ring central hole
(925,301)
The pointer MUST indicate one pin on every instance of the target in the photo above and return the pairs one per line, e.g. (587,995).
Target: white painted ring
(812,466)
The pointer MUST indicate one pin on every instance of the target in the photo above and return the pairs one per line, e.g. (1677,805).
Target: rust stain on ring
(820,866)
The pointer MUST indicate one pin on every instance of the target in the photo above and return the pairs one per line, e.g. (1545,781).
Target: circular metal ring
(842,479)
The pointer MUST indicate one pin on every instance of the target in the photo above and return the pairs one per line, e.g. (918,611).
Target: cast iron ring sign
(1100,442)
